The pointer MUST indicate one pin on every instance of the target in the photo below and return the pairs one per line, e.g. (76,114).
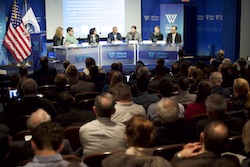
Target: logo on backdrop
(146,17)
(171,18)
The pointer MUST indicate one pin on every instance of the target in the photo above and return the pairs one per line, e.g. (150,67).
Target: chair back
(86,104)
(43,88)
(23,135)
(19,124)
(72,134)
(168,151)
(236,145)
(85,95)
(192,122)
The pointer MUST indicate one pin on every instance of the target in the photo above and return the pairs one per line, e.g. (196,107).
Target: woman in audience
(116,78)
(88,63)
(160,72)
(198,107)
(240,94)
(138,135)
(71,72)
(198,75)
(58,37)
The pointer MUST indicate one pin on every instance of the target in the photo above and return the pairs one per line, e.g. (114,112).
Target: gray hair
(37,117)
(143,72)
(105,105)
(227,61)
(216,105)
(122,91)
(29,86)
(168,110)
(216,78)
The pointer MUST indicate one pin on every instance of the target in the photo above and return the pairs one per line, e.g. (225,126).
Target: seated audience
(226,161)
(116,78)
(102,134)
(197,76)
(198,107)
(216,109)
(21,150)
(82,85)
(143,97)
(29,103)
(240,93)
(71,115)
(71,72)
(183,96)
(165,89)
(171,130)
(213,141)
(242,73)
(125,108)
(88,63)
(23,72)
(216,80)
(246,142)
(45,74)
(47,142)
(138,135)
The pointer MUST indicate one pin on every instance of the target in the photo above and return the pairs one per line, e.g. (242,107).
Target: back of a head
(204,90)
(139,131)
(142,84)
(184,83)
(220,54)
(104,105)
(122,91)
(93,71)
(44,61)
(81,76)
(60,80)
(143,72)
(48,135)
(216,137)
(160,61)
(246,136)
(240,87)
(216,105)
(216,78)
(114,66)
(166,87)
(66,101)
(227,61)
(36,118)
(89,62)
(200,65)
(29,86)
(116,78)
(120,66)
(14,80)
(23,71)
(71,70)
(198,74)
(66,63)
(226,160)
(168,110)
(242,62)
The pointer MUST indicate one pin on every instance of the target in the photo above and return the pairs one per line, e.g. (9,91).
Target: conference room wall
(198,39)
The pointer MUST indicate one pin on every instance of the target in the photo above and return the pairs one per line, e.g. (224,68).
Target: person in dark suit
(133,35)
(82,85)
(58,37)
(115,35)
(174,37)
(93,37)
(157,35)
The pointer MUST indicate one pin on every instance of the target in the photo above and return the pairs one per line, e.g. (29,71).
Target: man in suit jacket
(115,35)
(174,37)
(133,35)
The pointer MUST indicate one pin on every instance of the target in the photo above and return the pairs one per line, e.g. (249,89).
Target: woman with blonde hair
(116,78)
(58,37)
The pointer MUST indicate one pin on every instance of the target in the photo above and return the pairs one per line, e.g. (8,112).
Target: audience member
(116,78)
(125,108)
(82,85)
(88,63)
(47,142)
(171,130)
(226,161)
(21,150)
(45,74)
(71,72)
(165,88)
(65,64)
(242,73)
(216,80)
(102,134)
(216,109)
(246,142)
(71,115)
(213,141)
(198,107)
(143,97)
(23,72)
(138,135)
(183,96)
(198,75)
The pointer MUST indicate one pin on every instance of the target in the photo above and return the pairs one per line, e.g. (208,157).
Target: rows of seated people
(180,102)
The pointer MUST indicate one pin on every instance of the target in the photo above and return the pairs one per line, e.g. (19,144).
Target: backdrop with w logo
(171,14)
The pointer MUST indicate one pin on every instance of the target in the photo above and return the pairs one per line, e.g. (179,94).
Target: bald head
(29,86)
(216,78)
(168,110)
(36,118)
(220,54)
(104,105)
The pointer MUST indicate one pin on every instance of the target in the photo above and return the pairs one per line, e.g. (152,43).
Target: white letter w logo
(171,18)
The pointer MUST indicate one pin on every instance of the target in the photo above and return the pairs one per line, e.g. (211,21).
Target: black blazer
(90,39)
(111,36)
(57,41)
(177,38)
(155,37)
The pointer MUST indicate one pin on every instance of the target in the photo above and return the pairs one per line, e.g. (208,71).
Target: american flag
(17,38)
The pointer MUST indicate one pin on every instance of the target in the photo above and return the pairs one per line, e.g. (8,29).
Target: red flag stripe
(10,49)
(25,38)
(21,40)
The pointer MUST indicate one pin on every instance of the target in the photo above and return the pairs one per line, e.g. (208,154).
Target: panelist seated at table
(156,35)
(133,35)
(70,39)
(114,35)
(93,37)
(58,37)
(174,37)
